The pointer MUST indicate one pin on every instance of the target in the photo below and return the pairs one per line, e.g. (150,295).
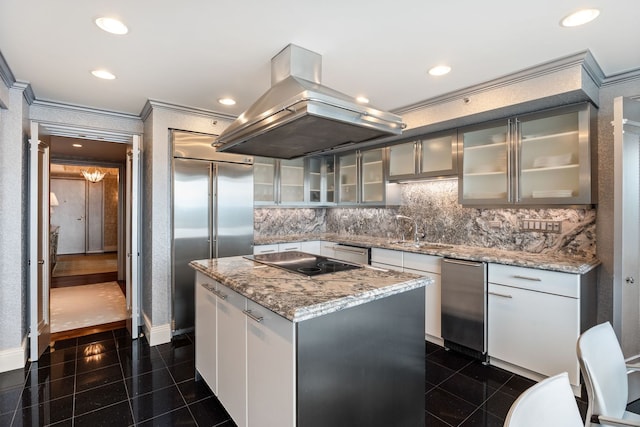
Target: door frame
(134,140)
(39,269)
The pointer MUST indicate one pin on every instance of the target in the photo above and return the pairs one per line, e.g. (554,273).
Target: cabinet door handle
(534,279)
(290,249)
(500,295)
(267,251)
(218,294)
(253,316)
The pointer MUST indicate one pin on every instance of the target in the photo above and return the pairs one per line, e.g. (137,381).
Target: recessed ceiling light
(77,145)
(227,101)
(580,17)
(362,100)
(112,25)
(440,70)
(103,74)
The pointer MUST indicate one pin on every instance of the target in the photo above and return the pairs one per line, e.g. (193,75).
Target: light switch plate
(541,225)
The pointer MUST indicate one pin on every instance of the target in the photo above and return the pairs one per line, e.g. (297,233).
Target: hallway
(86,296)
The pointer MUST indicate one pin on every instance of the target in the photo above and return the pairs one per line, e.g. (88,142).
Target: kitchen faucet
(415,227)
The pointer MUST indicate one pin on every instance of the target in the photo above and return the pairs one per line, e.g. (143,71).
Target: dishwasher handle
(351,249)
(461,262)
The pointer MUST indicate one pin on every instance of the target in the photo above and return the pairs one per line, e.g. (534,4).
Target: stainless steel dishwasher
(464,306)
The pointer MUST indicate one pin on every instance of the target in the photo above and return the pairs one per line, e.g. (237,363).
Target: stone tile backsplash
(435,206)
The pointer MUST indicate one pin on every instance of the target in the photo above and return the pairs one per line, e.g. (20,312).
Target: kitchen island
(283,349)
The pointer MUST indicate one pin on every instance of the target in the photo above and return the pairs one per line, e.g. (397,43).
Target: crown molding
(584,59)
(5,72)
(152,103)
(619,78)
(84,109)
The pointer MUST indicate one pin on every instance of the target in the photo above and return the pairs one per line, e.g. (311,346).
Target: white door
(626,251)
(132,236)
(70,215)
(39,273)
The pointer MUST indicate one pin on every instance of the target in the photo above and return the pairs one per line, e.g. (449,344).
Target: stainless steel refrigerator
(212,214)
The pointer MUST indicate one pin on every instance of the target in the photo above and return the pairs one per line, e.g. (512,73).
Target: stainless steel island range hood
(299,116)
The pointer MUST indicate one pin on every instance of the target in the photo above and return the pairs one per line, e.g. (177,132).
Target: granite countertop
(297,297)
(546,261)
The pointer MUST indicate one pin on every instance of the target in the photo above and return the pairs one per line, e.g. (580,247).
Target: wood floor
(85,270)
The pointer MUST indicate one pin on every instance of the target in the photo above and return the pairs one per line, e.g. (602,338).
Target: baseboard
(156,334)
(13,358)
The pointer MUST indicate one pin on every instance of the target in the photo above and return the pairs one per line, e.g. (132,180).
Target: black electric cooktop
(302,262)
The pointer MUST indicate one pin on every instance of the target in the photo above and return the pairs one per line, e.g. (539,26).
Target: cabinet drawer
(422,262)
(386,256)
(293,246)
(265,249)
(552,282)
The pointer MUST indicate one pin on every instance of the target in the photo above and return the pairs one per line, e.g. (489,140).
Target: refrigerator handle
(213,232)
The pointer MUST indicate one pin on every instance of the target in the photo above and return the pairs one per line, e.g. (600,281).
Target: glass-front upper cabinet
(348,178)
(363,179)
(536,159)
(295,182)
(485,166)
(429,157)
(553,158)
(373,183)
(321,179)
(330,178)
(292,181)
(264,180)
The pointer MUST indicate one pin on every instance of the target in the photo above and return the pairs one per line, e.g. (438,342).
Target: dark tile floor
(106,379)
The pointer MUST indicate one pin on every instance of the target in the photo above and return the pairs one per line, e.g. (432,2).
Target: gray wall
(13,217)
(159,118)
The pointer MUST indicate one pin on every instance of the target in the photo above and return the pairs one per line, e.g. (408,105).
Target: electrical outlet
(494,224)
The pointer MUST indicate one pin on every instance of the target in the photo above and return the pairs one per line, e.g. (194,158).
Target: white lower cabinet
(270,361)
(424,265)
(534,320)
(205,324)
(286,247)
(231,354)
(242,350)
(311,247)
(386,258)
(265,249)
(428,265)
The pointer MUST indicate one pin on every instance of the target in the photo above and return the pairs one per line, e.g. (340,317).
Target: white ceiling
(192,53)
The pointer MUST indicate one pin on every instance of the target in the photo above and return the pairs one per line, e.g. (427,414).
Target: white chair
(605,376)
(549,403)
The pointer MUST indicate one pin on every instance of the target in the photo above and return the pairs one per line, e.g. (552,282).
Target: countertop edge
(308,312)
(563,264)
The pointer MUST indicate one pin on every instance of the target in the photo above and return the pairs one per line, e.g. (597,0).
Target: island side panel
(364,365)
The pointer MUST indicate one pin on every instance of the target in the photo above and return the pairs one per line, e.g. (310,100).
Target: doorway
(88,292)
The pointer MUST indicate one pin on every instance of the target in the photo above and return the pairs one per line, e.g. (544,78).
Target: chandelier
(95,176)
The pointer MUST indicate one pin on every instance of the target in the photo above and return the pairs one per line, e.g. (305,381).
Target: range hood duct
(298,116)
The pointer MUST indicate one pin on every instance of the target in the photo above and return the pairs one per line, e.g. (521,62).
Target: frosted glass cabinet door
(372,176)
(439,155)
(402,159)
(553,157)
(264,179)
(292,180)
(330,173)
(484,165)
(348,178)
